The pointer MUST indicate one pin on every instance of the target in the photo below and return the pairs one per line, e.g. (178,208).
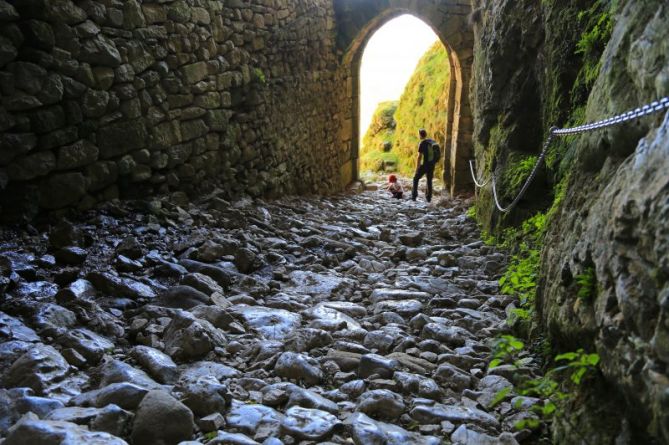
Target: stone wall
(612,220)
(109,98)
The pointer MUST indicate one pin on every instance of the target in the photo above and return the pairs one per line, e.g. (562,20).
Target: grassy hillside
(422,105)
(381,132)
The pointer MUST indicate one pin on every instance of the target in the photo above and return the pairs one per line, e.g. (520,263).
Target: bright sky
(390,57)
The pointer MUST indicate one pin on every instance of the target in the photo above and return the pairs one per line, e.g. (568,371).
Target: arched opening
(449,29)
(404,79)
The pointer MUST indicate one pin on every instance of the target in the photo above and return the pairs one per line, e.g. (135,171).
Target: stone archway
(358,20)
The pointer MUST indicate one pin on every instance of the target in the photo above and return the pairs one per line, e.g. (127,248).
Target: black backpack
(433,152)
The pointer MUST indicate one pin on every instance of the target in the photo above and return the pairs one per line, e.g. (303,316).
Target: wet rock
(452,336)
(110,419)
(381,403)
(331,317)
(411,239)
(124,394)
(116,371)
(204,394)
(130,247)
(120,287)
(304,340)
(41,406)
(39,368)
(246,260)
(202,283)
(417,385)
(159,365)
(380,341)
(187,337)
(398,294)
(273,324)
(211,422)
(305,398)
(371,364)
(364,430)
(218,371)
(72,255)
(490,386)
(218,317)
(87,343)
(53,319)
(182,297)
(453,413)
(13,329)
(466,436)
(225,438)
(454,377)
(309,424)
(33,431)
(125,264)
(351,309)
(298,367)
(405,308)
(222,276)
(315,284)
(289,302)
(255,420)
(160,418)
(77,291)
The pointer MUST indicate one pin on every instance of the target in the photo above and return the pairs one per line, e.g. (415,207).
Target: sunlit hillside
(422,105)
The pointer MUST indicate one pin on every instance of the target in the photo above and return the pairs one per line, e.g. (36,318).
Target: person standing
(428,156)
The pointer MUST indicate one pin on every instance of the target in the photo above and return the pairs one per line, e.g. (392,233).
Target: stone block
(100,51)
(61,190)
(47,119)
(166,134)
(8,51)
(194,72)
(76,155)
(193,129)
(208,100)
(120,138)
(15,144)
(31,166)
(154,13)
(101,174)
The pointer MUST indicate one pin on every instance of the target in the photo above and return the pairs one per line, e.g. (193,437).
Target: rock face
(611,220)
(101,102)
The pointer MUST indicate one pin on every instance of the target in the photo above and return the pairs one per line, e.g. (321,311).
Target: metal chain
(533,173)
(651,108)
(478,183)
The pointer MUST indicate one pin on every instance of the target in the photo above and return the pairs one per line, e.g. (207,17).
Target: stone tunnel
(121,99)
(358,21)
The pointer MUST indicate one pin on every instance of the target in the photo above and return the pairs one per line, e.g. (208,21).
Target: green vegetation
(587,284)
(554,389)
(598,25)
(259,76)
(422,105)
(378,138)
(519,169)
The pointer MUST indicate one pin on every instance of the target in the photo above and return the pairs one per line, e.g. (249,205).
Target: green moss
(598,25)
(587,284)
(259,76)
(519,167)
(381,131)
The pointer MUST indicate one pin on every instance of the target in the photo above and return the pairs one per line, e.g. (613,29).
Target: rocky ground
(354,319)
